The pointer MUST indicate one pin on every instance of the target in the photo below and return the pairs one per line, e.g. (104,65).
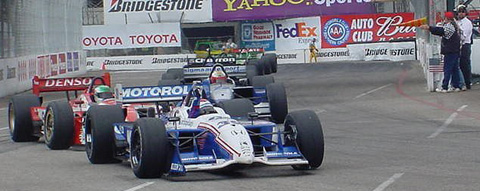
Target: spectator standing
(466,45)
(313,50)
(450,48)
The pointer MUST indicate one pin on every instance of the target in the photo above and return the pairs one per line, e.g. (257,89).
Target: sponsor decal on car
(155,91)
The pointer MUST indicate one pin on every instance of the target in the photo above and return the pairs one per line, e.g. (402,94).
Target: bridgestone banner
(131,36)
(393,51)
(157,11)
(156,62)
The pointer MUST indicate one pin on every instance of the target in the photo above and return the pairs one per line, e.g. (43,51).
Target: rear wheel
(277,100)
(58,127)
(262,81)
(149,148)
(99,134)
(176,72)
(169,82)
(267,66)
(306,131)
(237,107)
(251,72)
(271,58)
(19,118)
(258,65)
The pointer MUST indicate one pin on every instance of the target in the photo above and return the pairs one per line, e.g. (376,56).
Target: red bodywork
(79,105)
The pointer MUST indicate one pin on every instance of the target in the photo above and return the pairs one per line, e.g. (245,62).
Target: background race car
(269,98)
(60,121)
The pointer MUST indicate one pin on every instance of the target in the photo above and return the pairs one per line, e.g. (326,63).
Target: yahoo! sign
(229,10)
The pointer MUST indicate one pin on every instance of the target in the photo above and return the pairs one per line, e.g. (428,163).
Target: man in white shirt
(466,40)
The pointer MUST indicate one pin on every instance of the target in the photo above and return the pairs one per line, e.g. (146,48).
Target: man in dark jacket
(450,48)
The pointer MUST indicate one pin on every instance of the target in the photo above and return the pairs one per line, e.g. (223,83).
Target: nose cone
(238,142)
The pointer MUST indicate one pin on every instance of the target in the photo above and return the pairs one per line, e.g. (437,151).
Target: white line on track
(371,91)
(3,128)
(140,186)
(446,123)
(387,183)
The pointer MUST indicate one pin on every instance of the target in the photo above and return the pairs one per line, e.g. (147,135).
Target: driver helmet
(102,92)
(206,107)
(218,77)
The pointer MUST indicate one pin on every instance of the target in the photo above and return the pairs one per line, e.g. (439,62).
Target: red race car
(61,121)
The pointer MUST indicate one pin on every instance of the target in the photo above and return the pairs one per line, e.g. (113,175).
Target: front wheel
(149,148)
(59,128)
(305,130)
(99,133)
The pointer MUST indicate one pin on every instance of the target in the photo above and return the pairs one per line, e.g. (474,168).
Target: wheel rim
(49,126)
(88,138)
(11,117)
(136,148)
(290,135)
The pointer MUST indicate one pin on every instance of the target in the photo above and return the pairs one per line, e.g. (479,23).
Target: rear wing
(210,61)
(142,94)
(247,50)
(65,84)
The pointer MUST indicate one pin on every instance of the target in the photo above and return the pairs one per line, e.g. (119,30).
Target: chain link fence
(32,27)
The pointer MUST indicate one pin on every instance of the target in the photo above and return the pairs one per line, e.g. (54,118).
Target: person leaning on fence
(466,49)
(450,48)
(313,50)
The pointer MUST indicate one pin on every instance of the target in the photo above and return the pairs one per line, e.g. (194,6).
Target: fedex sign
(300,30)
(296,33)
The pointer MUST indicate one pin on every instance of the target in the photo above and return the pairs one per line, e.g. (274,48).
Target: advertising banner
(22,71)
(76,61)
(158,62)
(32,67)
(291,57)
(62,64)
(53,65)
(69,62)
(231,10)
(131,36)
(338,31)
(333,54)
(392,51)
(258,35)
(156,11)
(297,33)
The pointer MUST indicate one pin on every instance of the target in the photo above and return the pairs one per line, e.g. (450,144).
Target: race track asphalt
(383,131)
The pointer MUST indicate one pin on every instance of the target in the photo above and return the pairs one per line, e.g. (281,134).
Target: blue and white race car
(194,135)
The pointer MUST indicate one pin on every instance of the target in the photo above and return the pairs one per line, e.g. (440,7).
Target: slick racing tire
(262,81)
(169,82)
(174,73)
(271,58)
(168,76)
(237,107)
(251,72)
(259,65)
(149,148)
(19,118)
(99,132)
(306,131)
(58,128)
(266,65)
(277,100)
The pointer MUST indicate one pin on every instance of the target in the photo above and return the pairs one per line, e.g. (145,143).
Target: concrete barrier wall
(16,73)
